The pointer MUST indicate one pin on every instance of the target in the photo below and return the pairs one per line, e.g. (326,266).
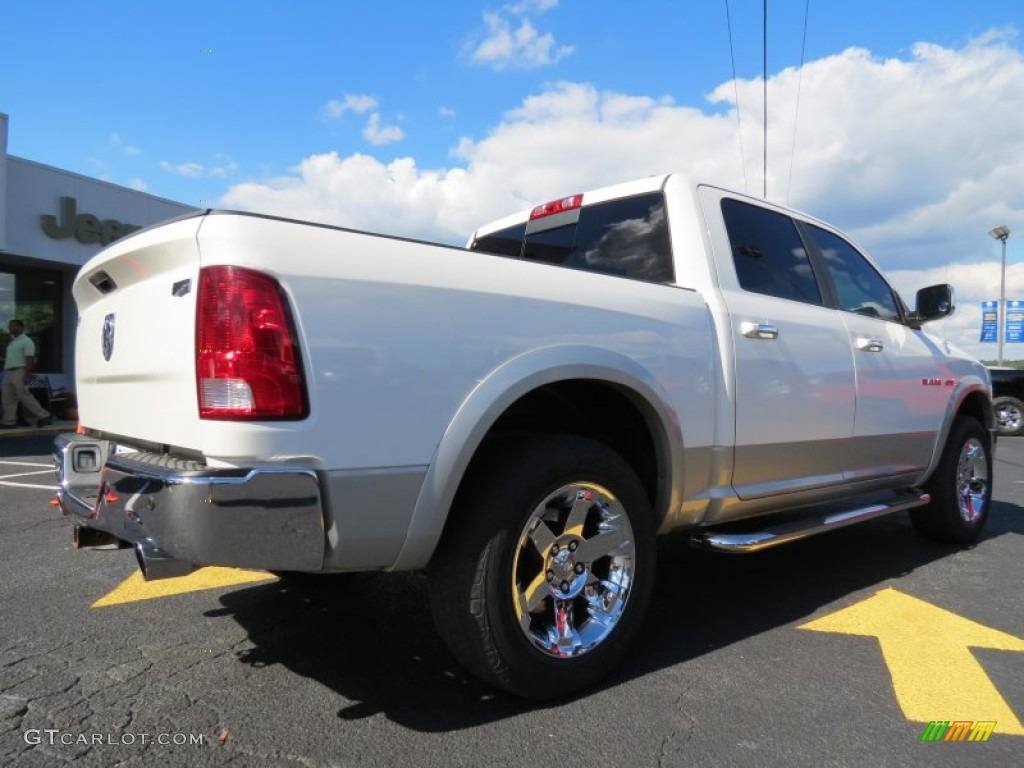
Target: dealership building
(51,222)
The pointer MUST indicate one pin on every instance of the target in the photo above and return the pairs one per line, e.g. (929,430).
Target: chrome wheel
(960,487)
(546,567)
(972,480)
(573,570)
(1009,417)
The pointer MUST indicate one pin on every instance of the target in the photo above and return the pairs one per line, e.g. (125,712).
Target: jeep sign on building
(51,222)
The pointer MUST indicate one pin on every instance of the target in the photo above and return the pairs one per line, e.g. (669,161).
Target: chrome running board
(773,536)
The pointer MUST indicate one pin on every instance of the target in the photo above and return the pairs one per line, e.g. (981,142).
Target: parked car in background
(1008,391)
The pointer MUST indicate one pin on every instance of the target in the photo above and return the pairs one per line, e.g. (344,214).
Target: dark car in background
(1008,399)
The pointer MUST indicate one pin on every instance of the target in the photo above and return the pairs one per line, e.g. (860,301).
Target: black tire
(1009,415)
(960,487)
(500,521)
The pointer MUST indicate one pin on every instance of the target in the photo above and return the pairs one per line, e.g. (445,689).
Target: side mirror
(933,303)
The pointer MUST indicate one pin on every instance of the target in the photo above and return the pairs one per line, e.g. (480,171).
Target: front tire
(546,567)
(961,487)
(1009,415)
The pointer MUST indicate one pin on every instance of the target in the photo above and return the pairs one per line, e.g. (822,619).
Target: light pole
(1002,234)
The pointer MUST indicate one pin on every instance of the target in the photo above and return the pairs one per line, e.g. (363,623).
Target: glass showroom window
(34,296)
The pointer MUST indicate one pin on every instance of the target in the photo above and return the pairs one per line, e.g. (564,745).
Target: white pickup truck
(519,418)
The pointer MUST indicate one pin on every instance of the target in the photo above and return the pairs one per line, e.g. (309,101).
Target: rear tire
(546,566)
(961,487)
(1009,415)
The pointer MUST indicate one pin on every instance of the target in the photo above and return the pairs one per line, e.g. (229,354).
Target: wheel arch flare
(519,394)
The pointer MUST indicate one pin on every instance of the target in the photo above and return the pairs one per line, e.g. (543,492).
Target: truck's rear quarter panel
(395,335)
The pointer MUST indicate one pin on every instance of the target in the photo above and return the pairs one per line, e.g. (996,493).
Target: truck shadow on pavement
(370,637)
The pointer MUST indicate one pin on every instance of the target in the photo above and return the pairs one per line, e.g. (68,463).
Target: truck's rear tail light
(556,206)
(247,357)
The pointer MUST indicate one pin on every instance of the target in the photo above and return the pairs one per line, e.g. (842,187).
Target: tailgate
(134,349)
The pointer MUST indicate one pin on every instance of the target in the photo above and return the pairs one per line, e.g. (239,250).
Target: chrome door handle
(870,345)
(759,330)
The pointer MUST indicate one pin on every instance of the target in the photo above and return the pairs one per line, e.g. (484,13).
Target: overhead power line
(799,88)
(736,91)
(764,96)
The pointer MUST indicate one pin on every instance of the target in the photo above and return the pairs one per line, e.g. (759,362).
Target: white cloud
(891,148)
(378,134)
(115,140)
(518,47)
(528,6)
(188,170)
(916,158)
(224,166)
(353,102)
(974,283)
(138,184)
(446,112)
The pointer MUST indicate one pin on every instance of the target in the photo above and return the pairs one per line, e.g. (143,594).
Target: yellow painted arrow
(934,674)
(136,588)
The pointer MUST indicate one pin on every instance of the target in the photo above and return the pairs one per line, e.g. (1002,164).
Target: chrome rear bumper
(180,515)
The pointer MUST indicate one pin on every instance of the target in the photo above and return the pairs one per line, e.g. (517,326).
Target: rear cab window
(627,237)
(507,242)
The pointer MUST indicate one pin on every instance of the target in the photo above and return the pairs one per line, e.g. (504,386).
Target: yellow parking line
(135,588)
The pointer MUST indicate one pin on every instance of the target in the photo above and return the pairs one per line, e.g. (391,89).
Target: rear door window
(768,253)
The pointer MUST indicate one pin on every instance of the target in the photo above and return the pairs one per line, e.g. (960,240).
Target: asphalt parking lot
(835,651)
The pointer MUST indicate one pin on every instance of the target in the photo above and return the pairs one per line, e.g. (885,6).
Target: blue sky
(89,83)
(426,119)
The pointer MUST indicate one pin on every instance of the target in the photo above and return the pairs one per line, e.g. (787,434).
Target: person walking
(21,355)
